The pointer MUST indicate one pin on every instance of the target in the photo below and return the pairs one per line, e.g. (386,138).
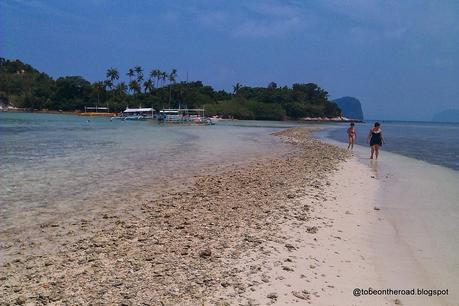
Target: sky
(399,58)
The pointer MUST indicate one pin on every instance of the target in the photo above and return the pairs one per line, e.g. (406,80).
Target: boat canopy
(138,110)
(182,110)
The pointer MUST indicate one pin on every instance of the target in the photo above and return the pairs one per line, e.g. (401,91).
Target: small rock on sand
(206,253)
(20,300)
(304,295)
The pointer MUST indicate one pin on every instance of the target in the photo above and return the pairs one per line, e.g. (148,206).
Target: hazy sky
(400,58)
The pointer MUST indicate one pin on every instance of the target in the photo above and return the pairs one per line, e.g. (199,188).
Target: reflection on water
(51,163)
(374,166)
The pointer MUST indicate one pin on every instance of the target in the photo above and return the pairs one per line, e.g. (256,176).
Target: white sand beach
(410,238)
(361,242)
(389,225)
(331,254)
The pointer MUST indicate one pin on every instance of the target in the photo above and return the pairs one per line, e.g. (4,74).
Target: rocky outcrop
(350,107)
(449,115)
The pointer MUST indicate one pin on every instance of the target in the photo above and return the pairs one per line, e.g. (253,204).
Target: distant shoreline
(54,112)
(111,114)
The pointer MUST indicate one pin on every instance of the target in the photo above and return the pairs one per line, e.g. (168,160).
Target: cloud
(263,28)
(256,19)
(266,19)
(211,18)
(274,9)
(443,63)
(393,19)
(170,17)
(377,18)
(366,11)
(396,32)
(43,7)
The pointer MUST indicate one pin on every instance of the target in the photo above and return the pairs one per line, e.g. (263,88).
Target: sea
(52,162)
(435,143)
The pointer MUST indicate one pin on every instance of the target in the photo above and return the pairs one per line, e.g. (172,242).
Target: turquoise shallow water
(436,143)
(51,162)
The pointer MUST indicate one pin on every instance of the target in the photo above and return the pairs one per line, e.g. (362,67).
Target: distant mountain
(449,115)
(350,107)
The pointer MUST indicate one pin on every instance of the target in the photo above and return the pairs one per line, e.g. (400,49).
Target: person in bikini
(351,135)
(376,139)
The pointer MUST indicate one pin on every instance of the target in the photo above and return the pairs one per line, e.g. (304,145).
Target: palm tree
(236,88)
(112,74)
(139,71)
(154,74)
(163,78)
(130,73)
(148,86)
(108,84)
(172,77)
(121,88)
(134,86)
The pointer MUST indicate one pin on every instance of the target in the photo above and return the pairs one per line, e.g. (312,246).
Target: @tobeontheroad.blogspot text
(406,292)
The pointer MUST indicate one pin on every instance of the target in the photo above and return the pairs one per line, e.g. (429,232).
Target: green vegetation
(25,87)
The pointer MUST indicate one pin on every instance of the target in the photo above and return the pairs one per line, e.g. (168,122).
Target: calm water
(52,163)
(436,143)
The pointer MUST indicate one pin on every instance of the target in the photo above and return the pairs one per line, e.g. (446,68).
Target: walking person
(376,139)
(351,136)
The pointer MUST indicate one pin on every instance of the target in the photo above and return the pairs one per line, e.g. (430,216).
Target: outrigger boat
(97,111)
(137,114)
(184,115)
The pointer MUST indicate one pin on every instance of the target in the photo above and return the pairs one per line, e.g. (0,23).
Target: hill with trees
(23,86)
(350,107)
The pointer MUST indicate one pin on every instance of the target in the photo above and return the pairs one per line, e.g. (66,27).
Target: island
(350,107)
(24,87)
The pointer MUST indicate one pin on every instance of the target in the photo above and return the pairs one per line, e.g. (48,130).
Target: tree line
(23,86)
